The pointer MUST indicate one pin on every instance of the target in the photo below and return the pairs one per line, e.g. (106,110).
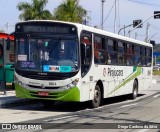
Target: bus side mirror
(8,43)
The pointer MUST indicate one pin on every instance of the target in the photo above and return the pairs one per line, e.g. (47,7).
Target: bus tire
(97,97)
(135,90)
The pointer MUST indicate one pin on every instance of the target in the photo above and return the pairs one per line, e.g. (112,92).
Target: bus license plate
(43,93)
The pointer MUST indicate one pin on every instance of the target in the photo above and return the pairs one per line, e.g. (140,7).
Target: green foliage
(156,72)
(34,11)
(69,10)
(2,31)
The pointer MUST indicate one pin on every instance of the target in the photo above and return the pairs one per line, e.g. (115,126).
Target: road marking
(155,96)
(158,81)
(55,119)
(128,105)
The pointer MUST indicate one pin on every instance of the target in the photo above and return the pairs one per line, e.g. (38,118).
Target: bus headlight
(72,84)
(20,83)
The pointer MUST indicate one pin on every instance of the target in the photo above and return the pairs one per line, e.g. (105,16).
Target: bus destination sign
(55,28)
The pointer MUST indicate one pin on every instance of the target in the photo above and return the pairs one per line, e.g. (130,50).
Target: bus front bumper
(72,94)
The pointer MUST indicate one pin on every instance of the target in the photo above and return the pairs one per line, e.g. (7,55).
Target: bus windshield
(44,54)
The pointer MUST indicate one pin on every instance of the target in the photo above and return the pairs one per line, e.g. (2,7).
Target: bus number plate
(43,93)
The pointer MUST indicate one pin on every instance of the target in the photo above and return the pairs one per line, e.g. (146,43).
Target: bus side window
(121,53)
(137,55)
(112,51)
(130,54)
(99,53)
(149,56)
(86,52)
(143,54)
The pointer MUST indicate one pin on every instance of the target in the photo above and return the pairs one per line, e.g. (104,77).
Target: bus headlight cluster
(20,83)
(72,84)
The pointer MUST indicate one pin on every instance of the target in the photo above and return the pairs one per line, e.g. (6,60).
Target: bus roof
(96,30)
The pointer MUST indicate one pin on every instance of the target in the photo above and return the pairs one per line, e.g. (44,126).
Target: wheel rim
(96,96)
(135,92)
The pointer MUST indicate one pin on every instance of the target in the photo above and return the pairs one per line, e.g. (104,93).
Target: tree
(2,31)
(34,11)
(69,10)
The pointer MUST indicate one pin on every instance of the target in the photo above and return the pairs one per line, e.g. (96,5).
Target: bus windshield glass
(44,54)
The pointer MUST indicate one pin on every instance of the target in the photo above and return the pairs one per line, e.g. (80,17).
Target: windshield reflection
(47,55)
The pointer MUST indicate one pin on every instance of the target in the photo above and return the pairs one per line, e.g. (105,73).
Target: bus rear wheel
(97,97)
(135,90)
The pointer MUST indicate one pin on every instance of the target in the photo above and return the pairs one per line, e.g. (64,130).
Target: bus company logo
(42,86)
(115,72)
(42,73)
(54,68)
(104,72)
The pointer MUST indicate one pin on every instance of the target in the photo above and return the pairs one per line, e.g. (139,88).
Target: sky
(126,12)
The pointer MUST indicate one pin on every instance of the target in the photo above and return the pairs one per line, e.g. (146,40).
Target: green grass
(156,72)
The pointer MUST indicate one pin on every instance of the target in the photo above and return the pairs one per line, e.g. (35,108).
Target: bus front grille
(39,87)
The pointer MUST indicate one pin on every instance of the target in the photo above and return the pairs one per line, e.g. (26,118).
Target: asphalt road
(117,114)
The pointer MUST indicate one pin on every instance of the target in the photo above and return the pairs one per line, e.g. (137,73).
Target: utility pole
(147,32)
(115,16)
(124,31)
(135,35)
(102,13)
(129,32)
(7,26)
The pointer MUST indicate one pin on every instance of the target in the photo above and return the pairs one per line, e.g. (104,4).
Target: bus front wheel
(97,97)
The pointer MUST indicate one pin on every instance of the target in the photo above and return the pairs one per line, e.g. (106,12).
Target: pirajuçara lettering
(115,72)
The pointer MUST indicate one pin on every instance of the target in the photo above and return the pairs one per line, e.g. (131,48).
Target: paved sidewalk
(10,98)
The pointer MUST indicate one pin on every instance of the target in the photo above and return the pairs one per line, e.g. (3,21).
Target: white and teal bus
(63,61)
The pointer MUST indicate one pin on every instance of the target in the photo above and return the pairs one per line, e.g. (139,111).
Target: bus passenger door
(86,59)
